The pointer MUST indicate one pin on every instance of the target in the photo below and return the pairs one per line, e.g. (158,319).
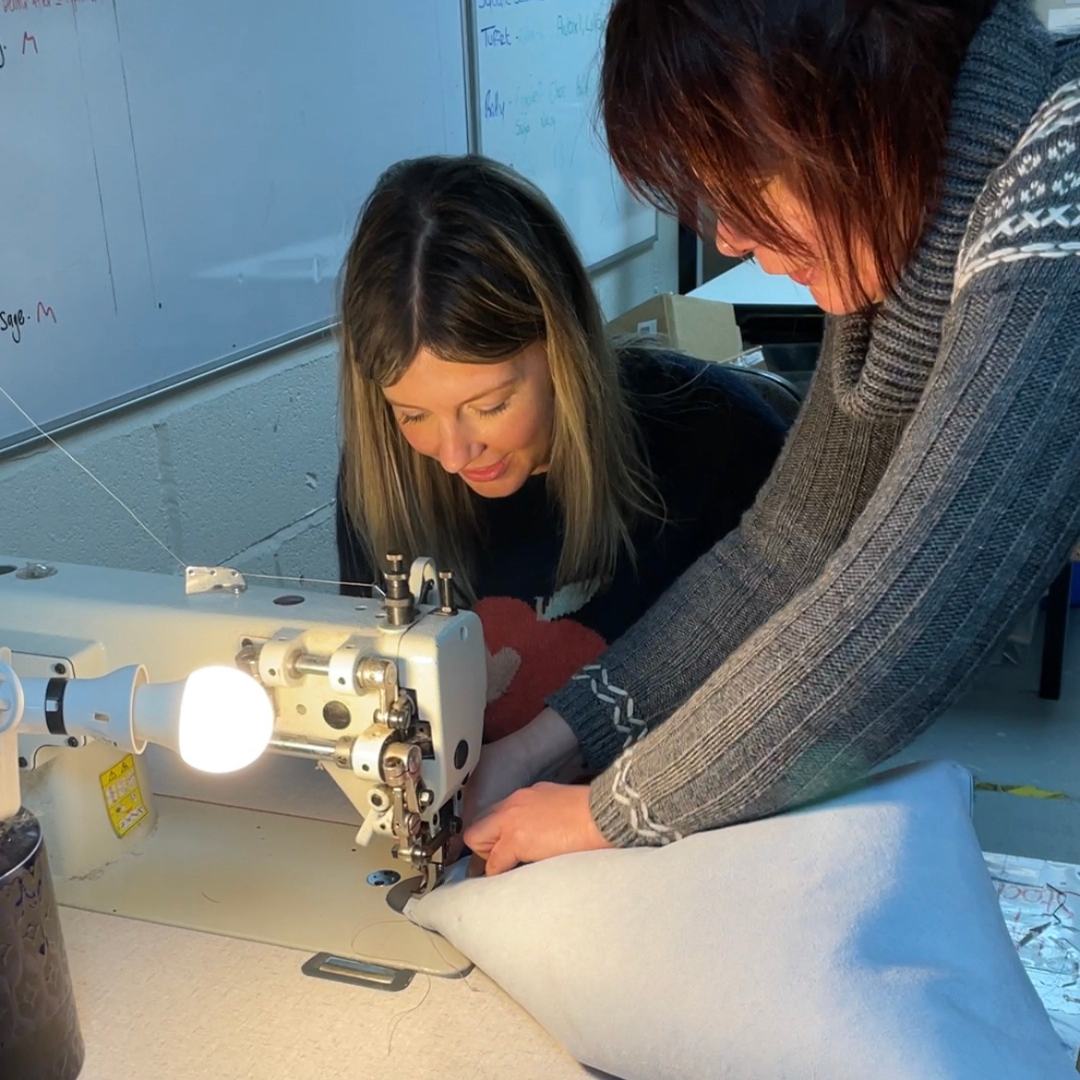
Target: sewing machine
(384,695)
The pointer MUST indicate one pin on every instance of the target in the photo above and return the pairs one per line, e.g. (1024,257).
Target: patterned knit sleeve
(799,518)
(973,518)
(1035,209)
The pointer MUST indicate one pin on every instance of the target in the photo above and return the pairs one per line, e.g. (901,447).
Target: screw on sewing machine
(343,749)
(446,593)
(247,659)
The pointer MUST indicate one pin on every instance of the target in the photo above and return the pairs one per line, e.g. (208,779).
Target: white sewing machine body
(393,713)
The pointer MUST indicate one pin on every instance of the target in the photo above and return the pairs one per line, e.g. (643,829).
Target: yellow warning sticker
(123,797)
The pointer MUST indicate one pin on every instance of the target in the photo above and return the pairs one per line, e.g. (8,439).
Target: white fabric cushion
(854,939)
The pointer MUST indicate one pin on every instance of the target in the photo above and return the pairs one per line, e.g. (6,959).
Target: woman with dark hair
(915,163)
(489,422)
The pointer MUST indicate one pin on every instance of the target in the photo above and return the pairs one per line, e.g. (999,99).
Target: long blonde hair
(462,256)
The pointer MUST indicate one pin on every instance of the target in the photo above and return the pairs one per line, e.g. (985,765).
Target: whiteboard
(536,70)
(180,178)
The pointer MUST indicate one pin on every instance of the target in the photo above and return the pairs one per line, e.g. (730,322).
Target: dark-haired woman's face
(810,265)
(490,424)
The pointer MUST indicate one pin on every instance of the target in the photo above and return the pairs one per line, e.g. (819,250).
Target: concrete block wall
(230,472)
(240,470)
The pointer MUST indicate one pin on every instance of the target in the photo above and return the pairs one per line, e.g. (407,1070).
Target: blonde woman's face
(489,424)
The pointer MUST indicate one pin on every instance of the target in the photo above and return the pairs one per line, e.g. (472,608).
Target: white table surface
(160,1003)
(747,283)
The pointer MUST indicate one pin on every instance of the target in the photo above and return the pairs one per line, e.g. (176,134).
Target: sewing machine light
(217,719)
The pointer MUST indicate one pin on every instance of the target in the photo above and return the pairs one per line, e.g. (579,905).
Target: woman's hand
(533,824)
(518,760)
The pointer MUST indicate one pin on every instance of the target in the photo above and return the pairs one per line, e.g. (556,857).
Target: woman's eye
(494,410)
(410,418)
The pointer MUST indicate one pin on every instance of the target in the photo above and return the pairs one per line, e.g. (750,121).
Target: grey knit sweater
(929,492)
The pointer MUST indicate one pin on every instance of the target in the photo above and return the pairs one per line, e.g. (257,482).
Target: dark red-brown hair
(847,101)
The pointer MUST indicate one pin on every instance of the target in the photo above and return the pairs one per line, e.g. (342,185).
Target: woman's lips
(487,474)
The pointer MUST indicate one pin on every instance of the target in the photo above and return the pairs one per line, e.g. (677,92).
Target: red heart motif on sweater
(548,651)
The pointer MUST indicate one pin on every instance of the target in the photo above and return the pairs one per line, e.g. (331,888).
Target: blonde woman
(488,421)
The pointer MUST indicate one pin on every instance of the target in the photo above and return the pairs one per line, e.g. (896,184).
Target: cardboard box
(702,328)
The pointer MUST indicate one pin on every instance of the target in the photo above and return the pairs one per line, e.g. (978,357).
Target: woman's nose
(457,449)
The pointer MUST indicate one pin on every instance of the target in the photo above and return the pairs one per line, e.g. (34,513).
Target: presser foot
(428,856)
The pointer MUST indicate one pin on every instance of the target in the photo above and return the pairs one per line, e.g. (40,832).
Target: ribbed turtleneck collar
(1006,74)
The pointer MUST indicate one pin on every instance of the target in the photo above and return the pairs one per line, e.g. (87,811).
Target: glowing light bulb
(226,720)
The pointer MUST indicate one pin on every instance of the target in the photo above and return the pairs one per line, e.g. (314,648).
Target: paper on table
(1041,901)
